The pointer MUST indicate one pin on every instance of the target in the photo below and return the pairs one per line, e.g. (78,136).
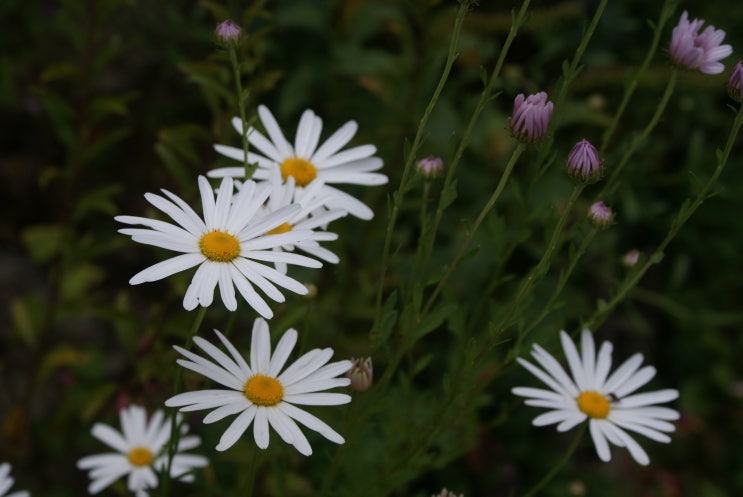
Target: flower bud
(600,215)
(531,116)
(735,83)
(430,167)
(583,164)
(361,374)
(445,493)
(630,258)
(691,50)
(228,33)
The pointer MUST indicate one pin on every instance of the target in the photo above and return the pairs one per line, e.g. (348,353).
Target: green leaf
(433,320)
(44,241)
(98,200)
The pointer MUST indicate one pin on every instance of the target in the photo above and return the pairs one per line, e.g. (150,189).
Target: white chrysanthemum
(601,398)
(260,393)
(6,481)
(228,245)
(307,162)
(141,452)
(312,216)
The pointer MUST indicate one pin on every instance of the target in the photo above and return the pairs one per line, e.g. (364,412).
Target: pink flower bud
(584,164)
(531,116)
(600,215)
(228,33)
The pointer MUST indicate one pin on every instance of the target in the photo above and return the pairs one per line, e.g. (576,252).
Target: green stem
(564,277)
(174,426)
(398,196)
(536,273)
(473,229)
(558,466)
(464,143)
(685,212)
(613,182)
(423,223)
(665,14)
(249,169)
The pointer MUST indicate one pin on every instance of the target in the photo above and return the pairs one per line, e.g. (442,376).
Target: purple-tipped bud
(430,167)
(361,374)
(584,164)
(630,258)
(531,116)
(228,33)
(600,215)
(691,50)
(735,83)
(446,493)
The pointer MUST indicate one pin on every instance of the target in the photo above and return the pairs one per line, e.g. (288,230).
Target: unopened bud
(361,374)
(630,258)
(430,167)
(228,33)
(735,83)
(600,215)
(583,164)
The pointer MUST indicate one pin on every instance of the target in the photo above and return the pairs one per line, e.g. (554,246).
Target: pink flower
(531,116)
(430,167)
(692,50)
(583,163)
(735,83)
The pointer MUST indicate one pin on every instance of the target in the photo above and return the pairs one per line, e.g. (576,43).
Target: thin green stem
(536,273)
(423,223)
(558,466)
(613,182)
(397,197)
(473,229)
(564,277)
(174,426)
(665,14)
(249,169)
(685,212)
(447,194)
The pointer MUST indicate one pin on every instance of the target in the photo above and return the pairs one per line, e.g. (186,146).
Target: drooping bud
(531,116)
(584,164)
(735,83)
(600,215)
(228,33)
(361,374)
(430,167)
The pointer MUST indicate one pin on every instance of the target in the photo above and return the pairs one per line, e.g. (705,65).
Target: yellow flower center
(219,246)
(593,404)
(139,456)
(282,228)
(303,171)
(263,390)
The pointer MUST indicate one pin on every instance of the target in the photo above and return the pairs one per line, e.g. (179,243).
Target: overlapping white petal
(589,371)
(6,481)
(139,432)
(303,383)
(333,165)
(242,218)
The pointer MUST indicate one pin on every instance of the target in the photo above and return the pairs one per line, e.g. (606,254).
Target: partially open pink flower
(531,116)
(692,50)
(600,215)
(228,33)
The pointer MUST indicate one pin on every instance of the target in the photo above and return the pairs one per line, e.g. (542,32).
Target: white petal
(260,347)
(236,429)
(335,142)
(166,268)
(637,380)
(648,398)
(348,155)
(599,440)
(623,372)
(574,360)
(260,427)
(318,399)
(310,422)
(111,437)
(283,147)
(282,351)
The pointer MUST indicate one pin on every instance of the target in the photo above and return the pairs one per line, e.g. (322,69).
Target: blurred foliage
(104,100)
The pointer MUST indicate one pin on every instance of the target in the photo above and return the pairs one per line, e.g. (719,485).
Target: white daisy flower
(6,481)
(312,216)
(260,393)
(228,245)
(601,398)
(141,452)
(306,162)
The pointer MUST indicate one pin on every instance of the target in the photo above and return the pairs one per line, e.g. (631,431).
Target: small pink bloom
(583,163)
(630,258)
(692,50)
(531,116)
